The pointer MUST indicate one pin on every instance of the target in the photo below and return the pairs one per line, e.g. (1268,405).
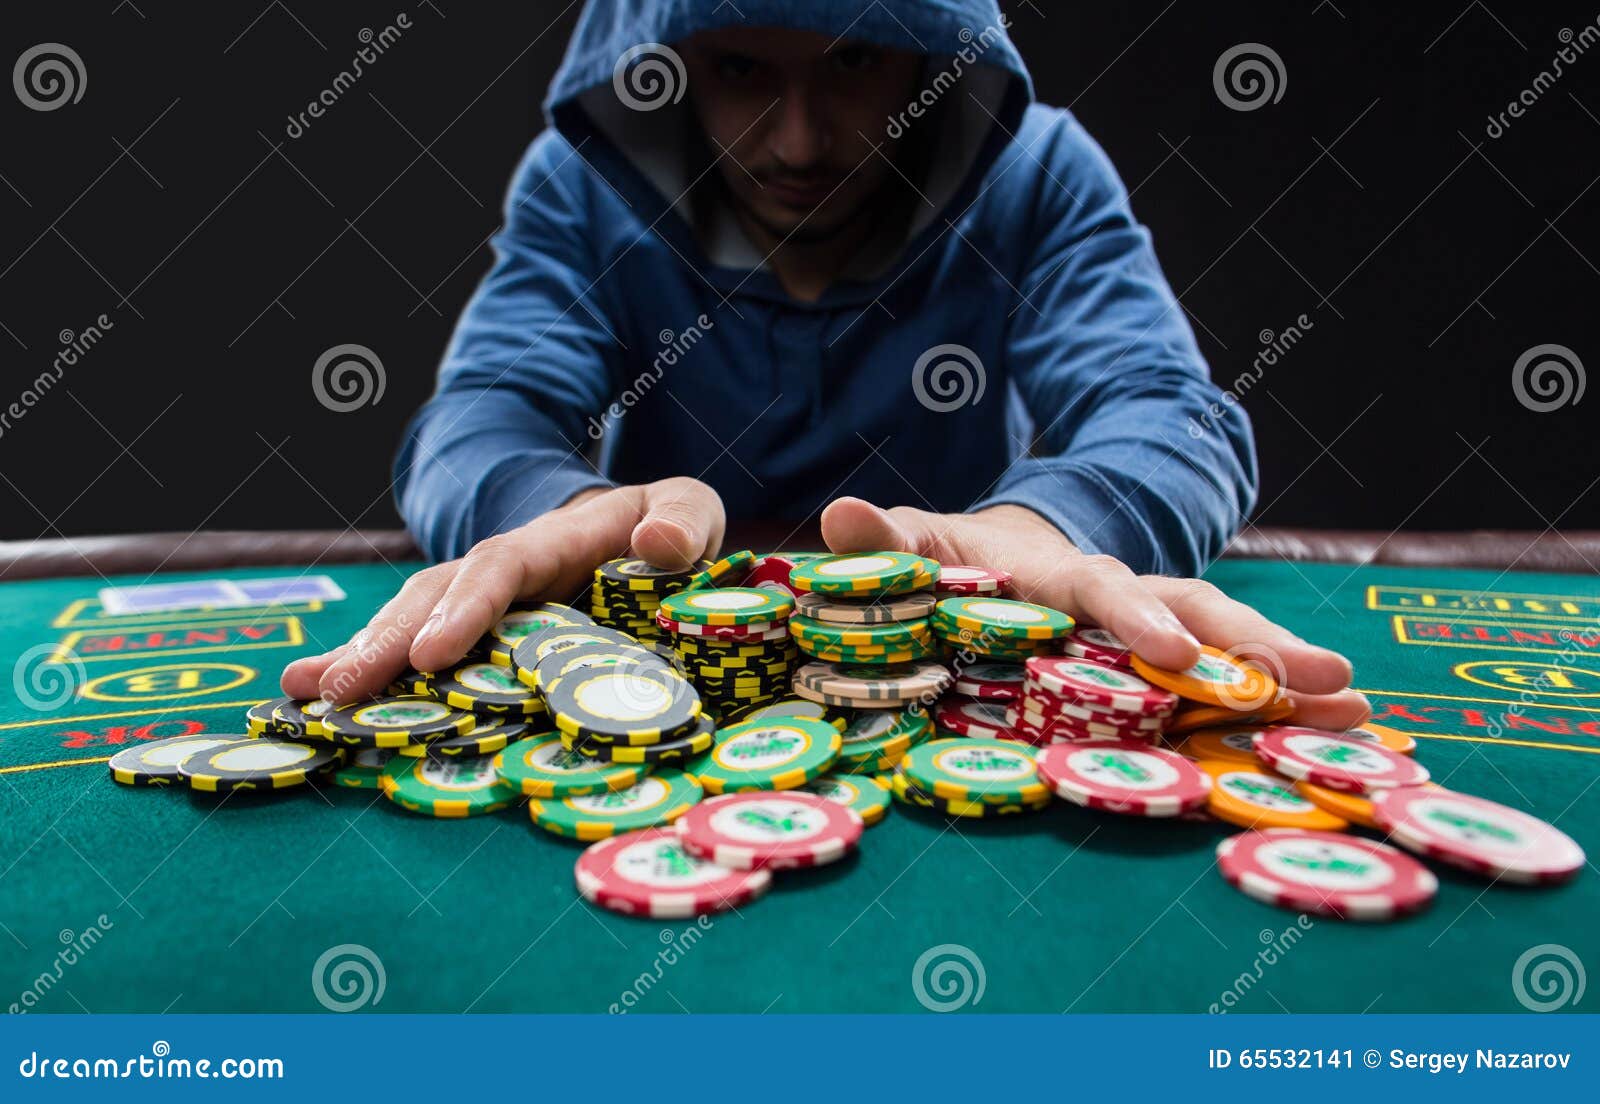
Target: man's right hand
(442,611)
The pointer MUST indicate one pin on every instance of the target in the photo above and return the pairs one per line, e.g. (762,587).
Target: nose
(800,137)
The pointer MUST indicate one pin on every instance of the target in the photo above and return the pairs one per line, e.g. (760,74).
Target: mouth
(802,196)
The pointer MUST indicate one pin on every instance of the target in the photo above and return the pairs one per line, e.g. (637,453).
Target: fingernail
(430,629)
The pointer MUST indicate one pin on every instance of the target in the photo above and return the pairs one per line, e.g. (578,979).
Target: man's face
(795,116)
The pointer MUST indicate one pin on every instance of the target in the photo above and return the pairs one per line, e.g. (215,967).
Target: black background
(1427,255)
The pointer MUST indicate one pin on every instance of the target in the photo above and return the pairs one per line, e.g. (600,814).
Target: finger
(856,525)
(378,653)
(1334,712)
(1106,592)
(301,678)
(683,522)
(1233,626)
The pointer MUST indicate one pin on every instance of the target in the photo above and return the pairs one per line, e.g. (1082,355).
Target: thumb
(681,521)
(856,525)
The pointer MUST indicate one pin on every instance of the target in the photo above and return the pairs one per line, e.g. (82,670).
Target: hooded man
(780,258)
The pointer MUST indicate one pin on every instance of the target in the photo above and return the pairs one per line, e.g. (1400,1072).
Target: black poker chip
(643,576)
(156,763)
(257,764)
(301,717)
(564,662)
(668,753)
(261,719)
(486,739)
(480,688)
(395,722)
(634,702)
(532,648)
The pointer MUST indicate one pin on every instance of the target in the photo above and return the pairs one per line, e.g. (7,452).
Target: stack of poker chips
(733,642)
(870,607)
(999,628)
(627,594)
(1069,699)
(971,777)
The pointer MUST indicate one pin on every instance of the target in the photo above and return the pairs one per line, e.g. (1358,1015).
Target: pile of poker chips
(733,642)
(999,628)
(867,608)
(627,594)
(764,786)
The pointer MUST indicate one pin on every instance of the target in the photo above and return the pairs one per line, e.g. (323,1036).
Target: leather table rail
(212,550)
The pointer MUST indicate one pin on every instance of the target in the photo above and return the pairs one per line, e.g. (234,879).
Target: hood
(619,97)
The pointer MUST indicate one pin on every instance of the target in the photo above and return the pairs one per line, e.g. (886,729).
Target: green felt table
(226,905)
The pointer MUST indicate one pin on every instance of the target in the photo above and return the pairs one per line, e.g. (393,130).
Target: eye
(735,67)
(855,59)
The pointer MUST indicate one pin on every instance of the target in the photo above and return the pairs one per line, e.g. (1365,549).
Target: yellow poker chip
(1228,745)
(1254,797)
(1217,678)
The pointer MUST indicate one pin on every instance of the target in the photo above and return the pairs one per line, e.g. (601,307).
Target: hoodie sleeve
(1136,454)
(506,434)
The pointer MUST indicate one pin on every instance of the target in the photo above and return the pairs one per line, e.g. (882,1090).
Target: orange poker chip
(1254,797)
(1226,745)
(1355,808)
(1210,716)
(1391,738)
(1216,679)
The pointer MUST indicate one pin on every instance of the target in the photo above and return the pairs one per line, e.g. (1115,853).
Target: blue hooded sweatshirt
(1018,344)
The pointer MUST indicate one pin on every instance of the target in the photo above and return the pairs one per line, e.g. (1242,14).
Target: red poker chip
(971,718)
(770,573)
(1052,707)
(649,873)
(754,632)
(1327,759)
(1080,680)
(1326,873)
(761,829)
(1045,735)
(1477,835)
(1021,717)
(1099,645)
(961,579)
(1125,776)
(990,681)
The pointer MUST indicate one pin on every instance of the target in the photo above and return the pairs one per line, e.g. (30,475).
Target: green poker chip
(976,769)
(863,574)
(727,606)
(795,707)
(876,739)
(889,636)
(724,569)
(778,753)
(658,798)
(540,766)
(861,792)
(395,722)
(480,688)
(363,769)
(999,619)
(446,787)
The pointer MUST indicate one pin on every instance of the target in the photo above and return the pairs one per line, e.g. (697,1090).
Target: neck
(807,268)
